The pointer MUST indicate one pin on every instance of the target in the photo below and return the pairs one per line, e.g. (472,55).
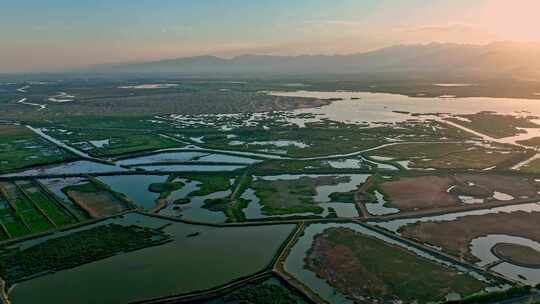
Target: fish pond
(197,258)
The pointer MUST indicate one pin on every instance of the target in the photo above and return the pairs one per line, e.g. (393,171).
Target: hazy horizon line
(78,68)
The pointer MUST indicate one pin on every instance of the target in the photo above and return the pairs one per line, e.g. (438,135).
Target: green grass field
(451,155)
(12,226)
(532,167)
(210,183)
(26,208)
(31,215)
(110,142)
(495,125)
(319,138)
(20,147)
(279,197)
(54,211)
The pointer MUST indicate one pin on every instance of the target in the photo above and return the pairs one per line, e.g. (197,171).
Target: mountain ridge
(494,60)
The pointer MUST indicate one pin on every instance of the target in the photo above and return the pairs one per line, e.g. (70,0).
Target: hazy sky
(40,35)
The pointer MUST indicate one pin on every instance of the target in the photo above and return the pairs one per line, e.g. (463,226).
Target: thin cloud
(347,23)
(451,32)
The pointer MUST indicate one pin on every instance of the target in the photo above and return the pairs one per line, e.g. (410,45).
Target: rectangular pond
(200,257)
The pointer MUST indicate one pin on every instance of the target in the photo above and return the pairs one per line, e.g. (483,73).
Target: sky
(37,35)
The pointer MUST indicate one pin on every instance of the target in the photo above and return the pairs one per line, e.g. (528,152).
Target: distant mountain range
(496,60)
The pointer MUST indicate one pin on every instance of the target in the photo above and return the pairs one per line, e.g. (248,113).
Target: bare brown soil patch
(423,192)
(444,192)
(455,236)
(98,204)
(9,130)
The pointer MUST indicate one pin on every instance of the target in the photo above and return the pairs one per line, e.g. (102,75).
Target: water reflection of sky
(378,107)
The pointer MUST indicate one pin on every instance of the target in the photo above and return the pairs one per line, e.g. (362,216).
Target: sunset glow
(269,151)
(512,20)
(50,36)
